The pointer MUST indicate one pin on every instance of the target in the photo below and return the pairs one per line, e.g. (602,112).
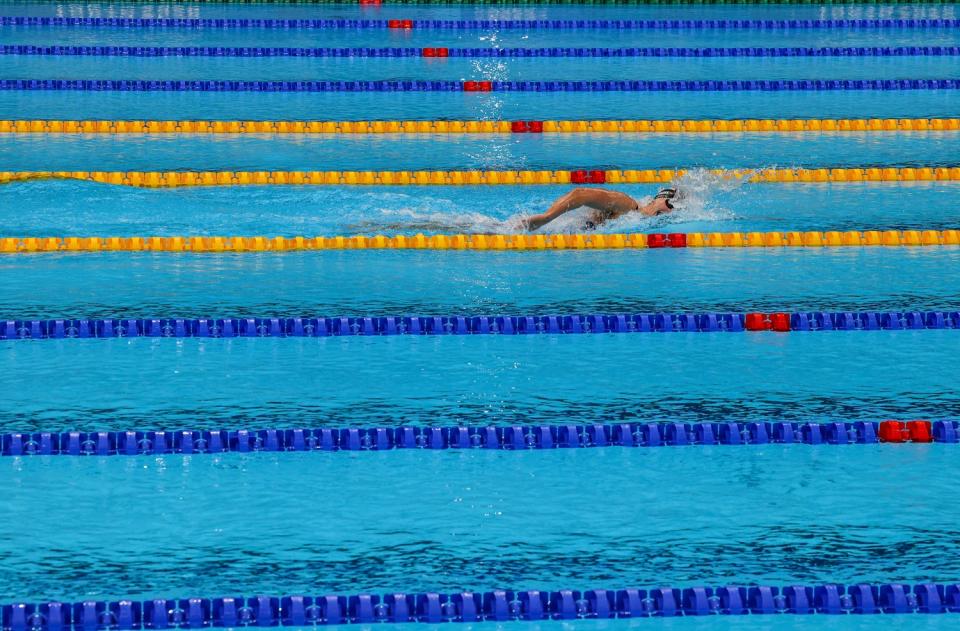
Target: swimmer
(606,205)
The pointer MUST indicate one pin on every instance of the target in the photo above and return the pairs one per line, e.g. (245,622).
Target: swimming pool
(370,526)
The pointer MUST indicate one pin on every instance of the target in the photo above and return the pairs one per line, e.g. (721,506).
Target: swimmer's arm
(576,198)
(534,222)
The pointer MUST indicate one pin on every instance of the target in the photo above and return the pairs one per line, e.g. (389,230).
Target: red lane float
(893,432)
(920,431)
(905,432)
(657,241)
(588,177)
(399,23)
(477,86)
(757,322)
(435,52)
(672,240)
(525,127)
(780,322)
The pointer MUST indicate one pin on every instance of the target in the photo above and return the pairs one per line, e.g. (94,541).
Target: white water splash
(495,151)
(706,197)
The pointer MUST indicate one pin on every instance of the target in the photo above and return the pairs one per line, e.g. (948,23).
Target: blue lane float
(314,24)
(261,51)
(694,85)
(471,325)
(508,438)
(494,606)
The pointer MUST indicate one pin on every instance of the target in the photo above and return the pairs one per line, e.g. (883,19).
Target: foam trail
(438,221)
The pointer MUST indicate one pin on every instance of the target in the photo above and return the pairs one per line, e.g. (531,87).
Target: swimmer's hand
(518,224)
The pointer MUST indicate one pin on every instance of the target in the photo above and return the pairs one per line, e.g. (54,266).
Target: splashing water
(707,197)
(496,152)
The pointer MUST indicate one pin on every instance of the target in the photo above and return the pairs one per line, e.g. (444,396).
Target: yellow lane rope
(484,242)
(473,126)
(172,179)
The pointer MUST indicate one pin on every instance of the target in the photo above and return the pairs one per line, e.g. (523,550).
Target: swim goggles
(667,194)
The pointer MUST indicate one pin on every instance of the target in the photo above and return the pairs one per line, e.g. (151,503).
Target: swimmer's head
(666,200)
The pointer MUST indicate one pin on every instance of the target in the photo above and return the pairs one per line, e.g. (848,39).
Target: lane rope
(41,126)
(261,51)
(477,325)
(509,438)
(471,607)
(176,179)
(483,242)
(314,24)
(692,85)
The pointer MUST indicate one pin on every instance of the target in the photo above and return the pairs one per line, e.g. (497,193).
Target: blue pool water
(181,526)
(452,151)
(461,106)
(260,383)
(339,522)
(380,283)
(339,69)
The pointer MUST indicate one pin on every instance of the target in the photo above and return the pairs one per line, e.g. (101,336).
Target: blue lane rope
(475,325)
(511,438)
(774,85)
(221,23)
(261,51)
(470,607)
